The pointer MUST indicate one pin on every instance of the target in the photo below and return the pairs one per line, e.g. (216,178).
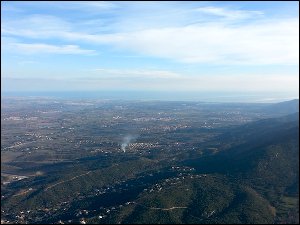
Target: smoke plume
(127,140)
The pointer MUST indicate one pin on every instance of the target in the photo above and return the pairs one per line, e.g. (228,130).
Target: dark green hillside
(246,144)
(259,132)
(202,199)
(283,108)
(267,159)
(71,183)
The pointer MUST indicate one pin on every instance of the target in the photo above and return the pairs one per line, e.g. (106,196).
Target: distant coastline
(161,96)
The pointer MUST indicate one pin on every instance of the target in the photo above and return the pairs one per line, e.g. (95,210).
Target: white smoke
(127,140)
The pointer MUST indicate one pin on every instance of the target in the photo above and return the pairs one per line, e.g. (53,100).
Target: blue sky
(153,46)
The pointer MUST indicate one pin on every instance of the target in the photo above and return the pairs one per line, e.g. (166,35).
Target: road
(164,209)
(73,178)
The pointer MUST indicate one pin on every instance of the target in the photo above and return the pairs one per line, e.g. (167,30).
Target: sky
(236,47)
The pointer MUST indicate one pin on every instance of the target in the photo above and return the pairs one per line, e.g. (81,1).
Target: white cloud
(242,82)
(135,73)
(157,80)
(171,81)
(96,4)
(38,48)
(36,26)
(229,14)
(270,42)
(24,62)
(257,42)
(266,43)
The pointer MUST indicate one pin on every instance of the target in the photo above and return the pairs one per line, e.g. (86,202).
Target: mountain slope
(204,199)
(254,180)
(282,108)
(263,155)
